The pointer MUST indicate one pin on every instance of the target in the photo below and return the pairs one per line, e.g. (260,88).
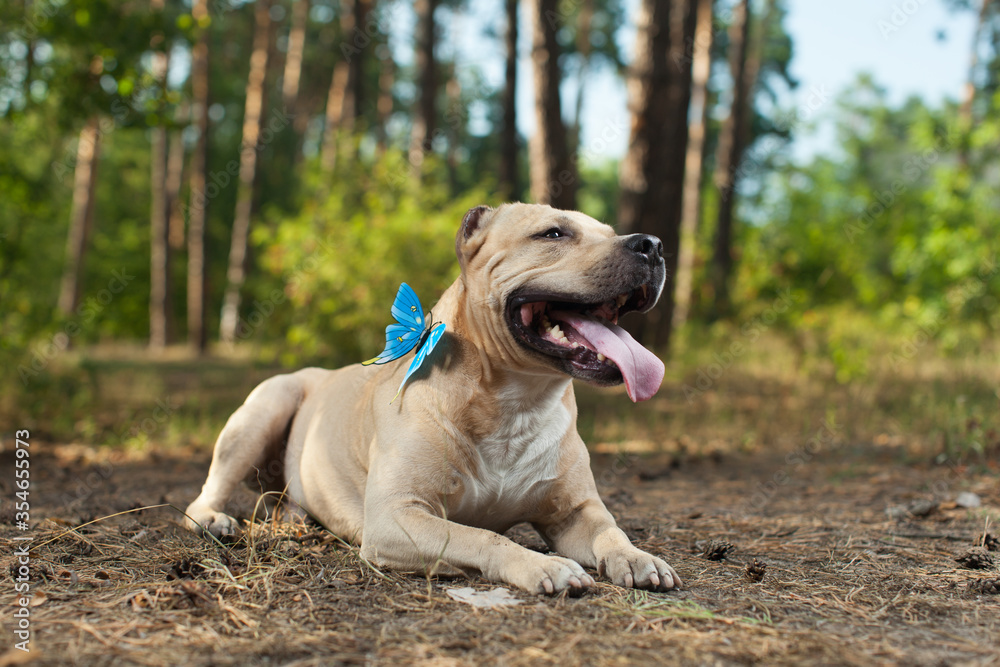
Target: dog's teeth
(601,357)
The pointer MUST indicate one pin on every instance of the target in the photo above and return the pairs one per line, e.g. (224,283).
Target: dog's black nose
(648,246)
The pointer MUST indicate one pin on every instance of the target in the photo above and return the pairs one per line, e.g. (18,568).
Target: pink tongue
(642,370)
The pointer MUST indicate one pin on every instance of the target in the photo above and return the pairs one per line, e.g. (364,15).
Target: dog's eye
(554,233)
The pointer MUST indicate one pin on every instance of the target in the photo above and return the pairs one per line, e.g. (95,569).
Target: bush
(342,257)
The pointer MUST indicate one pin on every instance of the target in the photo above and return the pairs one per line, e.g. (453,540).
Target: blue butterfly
(410,331)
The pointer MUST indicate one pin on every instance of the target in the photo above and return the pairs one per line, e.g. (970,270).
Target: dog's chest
(515,467)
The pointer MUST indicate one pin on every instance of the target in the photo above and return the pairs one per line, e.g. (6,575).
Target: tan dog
(484,436)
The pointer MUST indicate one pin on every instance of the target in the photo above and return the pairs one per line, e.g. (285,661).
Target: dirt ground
(844,580)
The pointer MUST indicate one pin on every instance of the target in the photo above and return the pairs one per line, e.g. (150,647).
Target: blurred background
(196,195)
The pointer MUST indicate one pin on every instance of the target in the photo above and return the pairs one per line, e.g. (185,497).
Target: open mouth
(584,338)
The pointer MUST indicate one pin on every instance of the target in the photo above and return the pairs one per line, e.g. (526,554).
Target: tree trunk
(160,297)
(252,117)
(425,111)
(732,143)
(509,186)
(160,302)
(652,172)
(454,116)
(343,104)
(175,179)
(29,55)
(293,57)
(969,92)
(386,79)
(337,103)
(84,189)
(196,277)
(583,48)
(701,70)
(553,178)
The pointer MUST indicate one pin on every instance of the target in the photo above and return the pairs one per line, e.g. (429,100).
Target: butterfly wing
(432,339)
(405,333)
(407,309)
(399,339)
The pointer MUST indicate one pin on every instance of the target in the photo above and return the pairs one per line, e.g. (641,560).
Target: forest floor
(858,535)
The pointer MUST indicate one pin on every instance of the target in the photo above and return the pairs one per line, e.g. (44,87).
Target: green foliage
(30,198)
(896,226)
(342,257)
(35,211)
(85,56)
(605,16)
(598,193)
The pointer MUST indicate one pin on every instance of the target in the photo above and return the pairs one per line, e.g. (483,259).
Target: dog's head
(549,286)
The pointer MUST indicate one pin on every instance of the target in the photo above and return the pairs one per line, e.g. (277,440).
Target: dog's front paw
(633,568)
(551,575)
(209,522)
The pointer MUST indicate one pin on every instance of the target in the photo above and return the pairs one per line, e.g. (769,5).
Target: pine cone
(991,542)
(985,586)
(717,550)
(976,558)
(755,570)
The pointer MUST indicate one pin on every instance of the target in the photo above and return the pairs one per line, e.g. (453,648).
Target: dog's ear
(472,223)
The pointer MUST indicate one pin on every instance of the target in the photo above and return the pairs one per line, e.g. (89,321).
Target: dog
(484,435)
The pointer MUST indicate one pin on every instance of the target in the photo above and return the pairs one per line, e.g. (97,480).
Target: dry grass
(844,583)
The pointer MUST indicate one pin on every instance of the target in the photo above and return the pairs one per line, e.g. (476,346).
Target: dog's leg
(251,432)
(410,538)
(586,532)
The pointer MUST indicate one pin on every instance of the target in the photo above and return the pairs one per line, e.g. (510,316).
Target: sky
(911,47)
